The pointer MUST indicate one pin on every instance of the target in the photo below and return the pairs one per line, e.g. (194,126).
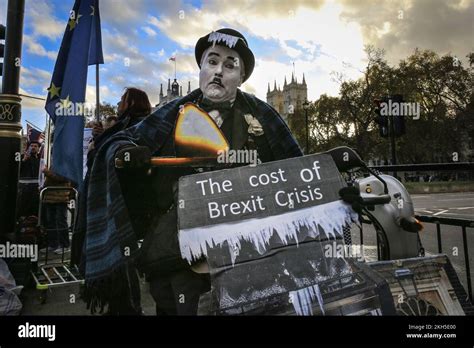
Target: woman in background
(133,107)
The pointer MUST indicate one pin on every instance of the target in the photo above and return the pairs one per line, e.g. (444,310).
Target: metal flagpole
(97,97)
(33,125)
(47,142)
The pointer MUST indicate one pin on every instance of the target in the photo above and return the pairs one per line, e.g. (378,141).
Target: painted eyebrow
(218,55)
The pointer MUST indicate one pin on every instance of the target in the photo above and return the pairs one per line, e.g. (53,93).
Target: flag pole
(175,68)
(47,148)
(33,125)
(97,97)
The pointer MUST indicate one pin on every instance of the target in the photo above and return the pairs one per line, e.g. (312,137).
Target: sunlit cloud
(314,37)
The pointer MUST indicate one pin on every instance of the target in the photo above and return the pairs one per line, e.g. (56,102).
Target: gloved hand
(133,157)
(352,196)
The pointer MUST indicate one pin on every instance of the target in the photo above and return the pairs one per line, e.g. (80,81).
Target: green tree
(349,119)
(297,124)
(442,87)
(105,110)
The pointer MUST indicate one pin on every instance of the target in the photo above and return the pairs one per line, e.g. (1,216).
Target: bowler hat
(230,38)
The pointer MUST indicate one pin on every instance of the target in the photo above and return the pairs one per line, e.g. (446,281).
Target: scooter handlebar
(375,200)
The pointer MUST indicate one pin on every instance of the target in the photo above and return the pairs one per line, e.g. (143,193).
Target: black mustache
(217,81)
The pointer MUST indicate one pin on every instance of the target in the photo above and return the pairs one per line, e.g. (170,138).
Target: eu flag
(81,47)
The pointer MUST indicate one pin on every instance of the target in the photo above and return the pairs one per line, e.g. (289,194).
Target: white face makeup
(221,73)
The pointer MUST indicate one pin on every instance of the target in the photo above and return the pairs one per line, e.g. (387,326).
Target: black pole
(466,263)
(10,117)
(438,235)
(391,120)
(97,96)
(13,41)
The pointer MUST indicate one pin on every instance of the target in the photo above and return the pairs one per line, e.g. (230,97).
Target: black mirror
(346,158)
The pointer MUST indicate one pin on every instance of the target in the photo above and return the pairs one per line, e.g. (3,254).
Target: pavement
(64,298)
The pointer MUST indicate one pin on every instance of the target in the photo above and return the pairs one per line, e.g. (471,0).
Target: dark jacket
(124,121)
(135,185)
(160,250)
(109,230)
(29,168)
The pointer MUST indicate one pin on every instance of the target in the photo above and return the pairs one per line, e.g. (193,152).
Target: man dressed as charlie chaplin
(111,251)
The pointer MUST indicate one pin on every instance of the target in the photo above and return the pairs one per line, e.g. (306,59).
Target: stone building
(289,99)
(174,91)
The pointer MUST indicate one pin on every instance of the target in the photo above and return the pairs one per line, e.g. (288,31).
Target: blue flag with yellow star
(65,104)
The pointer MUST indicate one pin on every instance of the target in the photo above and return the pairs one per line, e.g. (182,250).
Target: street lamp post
(306,106)
(10,116)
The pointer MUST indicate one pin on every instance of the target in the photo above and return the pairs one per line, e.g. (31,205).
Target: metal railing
(459,222)
(464,224)
(71,207)
(463,167)
(455,166)
(55,273)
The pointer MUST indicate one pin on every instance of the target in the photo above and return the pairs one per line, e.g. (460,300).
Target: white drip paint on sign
(303,300)
(331,217)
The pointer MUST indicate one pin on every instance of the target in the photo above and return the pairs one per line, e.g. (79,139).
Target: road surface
(453,205)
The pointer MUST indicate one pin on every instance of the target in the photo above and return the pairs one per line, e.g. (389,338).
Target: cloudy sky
(319,36)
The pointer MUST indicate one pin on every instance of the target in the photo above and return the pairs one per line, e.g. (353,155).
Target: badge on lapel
(255,128)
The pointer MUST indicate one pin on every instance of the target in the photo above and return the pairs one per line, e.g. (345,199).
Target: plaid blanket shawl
(110,243)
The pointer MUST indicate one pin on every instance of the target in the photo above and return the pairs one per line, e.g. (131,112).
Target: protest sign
(292,199)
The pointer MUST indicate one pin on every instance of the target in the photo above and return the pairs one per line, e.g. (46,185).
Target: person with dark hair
(134,102)
(30,163)
(133,107)
(29,173)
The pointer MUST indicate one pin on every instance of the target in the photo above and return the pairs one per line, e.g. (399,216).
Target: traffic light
(382,121)
(2,46)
